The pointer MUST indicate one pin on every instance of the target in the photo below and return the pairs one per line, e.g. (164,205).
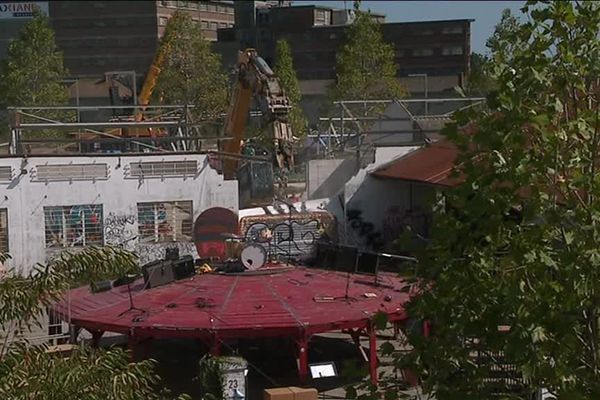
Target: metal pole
(426,101)
(134,88)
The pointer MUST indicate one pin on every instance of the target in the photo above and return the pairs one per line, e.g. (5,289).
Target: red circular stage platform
(294,302)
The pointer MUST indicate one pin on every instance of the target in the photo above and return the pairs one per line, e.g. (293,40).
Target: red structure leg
(303,358)
(132,346)
(373,354)
(215,347)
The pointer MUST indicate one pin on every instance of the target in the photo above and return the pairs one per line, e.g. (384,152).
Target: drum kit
(252,255)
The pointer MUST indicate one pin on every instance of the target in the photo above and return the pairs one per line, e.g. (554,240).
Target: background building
(13,15)
(433,57)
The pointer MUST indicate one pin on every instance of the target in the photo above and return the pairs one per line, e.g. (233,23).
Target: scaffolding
(166,128)
(354,125)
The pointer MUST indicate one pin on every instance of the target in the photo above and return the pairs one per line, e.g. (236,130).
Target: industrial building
(439,49)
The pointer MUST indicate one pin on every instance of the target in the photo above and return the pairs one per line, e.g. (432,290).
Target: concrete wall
(325,178)
(372,211)
(26,194)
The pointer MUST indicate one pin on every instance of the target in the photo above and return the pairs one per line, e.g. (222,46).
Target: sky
(485,13)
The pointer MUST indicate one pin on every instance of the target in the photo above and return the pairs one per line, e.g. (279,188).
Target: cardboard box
(278,394)
(290,393)
(305,393)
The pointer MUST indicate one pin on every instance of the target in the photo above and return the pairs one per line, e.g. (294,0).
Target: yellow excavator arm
(256,80)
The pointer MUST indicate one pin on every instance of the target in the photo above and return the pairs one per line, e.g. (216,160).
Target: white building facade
(142,203)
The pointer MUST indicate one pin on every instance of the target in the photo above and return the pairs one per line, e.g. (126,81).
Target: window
(73,226)
(162,21)
(452,51)
(204,24)
(322,17)
(5,174)
(165,221)
(222,25)
(68,172)
(3,230)
(222,10)
(159,169)
(423,52)
(202,7)
(212,8)
(230,10)
(452,30)
(213,26)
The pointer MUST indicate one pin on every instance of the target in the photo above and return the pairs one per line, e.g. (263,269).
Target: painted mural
(210,230)
(287,235)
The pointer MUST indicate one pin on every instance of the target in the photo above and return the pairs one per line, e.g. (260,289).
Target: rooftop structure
(275,301)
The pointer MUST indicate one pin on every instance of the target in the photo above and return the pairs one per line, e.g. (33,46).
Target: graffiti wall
(381,211)
(120,230)
(283,235)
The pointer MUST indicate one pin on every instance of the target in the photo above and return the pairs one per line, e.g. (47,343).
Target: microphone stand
(130,278)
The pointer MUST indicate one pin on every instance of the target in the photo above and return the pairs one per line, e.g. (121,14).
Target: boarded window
(67,172)
(73,226)
(159,169)
(3,230)
(5,174)
(165,221)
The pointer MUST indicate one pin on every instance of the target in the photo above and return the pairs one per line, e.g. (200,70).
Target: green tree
(512,267)
(365,67)
(29,372)
(284,69)
(33,71)
(480,81)
(191,72)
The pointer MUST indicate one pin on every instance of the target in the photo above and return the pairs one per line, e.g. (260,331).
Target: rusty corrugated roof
(431,164)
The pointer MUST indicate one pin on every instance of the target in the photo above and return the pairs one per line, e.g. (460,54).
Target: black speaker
(124,280)
(184,267)
(158,273)
(326,256)
(345,259)
(172,253)
(101,286)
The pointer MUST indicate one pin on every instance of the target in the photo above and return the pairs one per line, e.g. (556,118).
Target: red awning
(432,164)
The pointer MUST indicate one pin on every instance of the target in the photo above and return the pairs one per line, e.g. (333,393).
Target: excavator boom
(256,80)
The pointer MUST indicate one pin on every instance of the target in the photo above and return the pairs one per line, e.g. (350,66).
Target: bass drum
(253,256)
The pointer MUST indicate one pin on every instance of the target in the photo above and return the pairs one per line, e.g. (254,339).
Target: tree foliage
(480,81)
(284,68)
(512,267)
(28,371)
(33,70)
(191,72)
(365,67)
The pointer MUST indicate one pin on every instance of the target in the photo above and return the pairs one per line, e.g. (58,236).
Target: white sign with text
(25,9)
